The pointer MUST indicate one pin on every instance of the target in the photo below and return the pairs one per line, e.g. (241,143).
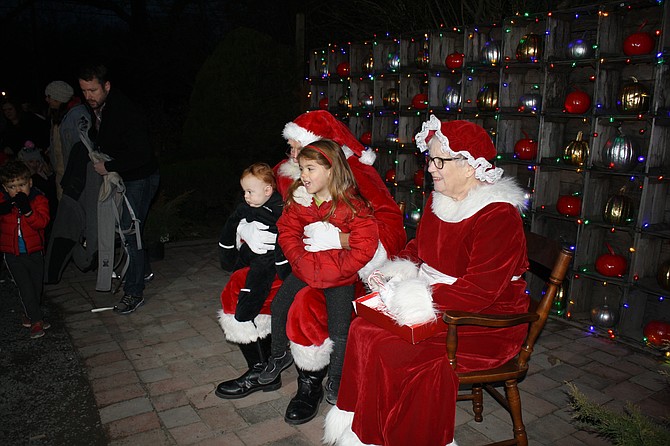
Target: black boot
(305,405)
(256,354)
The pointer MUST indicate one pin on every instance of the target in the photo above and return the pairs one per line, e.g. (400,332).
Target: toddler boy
(24,213)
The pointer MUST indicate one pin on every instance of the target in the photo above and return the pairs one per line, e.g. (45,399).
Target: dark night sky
(49,40)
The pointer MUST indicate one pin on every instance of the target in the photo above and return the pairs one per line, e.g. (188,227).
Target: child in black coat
(241,242)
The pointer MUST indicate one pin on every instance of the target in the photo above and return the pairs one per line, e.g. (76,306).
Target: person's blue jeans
(139,194)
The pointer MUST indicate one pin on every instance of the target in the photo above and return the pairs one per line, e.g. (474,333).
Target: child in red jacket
(24,213)
(326,192)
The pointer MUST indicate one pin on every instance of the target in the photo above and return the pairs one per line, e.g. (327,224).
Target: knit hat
(320,124)
(29,152)
(466,139)
(59,91)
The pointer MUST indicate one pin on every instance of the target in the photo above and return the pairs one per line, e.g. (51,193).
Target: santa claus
(307,329)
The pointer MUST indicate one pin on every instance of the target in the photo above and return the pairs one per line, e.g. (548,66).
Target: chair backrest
(550,261)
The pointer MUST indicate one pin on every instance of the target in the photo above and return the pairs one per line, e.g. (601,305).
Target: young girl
(325,192)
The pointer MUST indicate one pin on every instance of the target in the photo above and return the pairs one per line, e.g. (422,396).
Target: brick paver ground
(154,372)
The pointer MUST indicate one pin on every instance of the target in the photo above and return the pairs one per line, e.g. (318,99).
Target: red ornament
(657,333)
(366,138)
(390,175)
(525,148)
(343,69)
(577,102)
(454,60)
(323,104)
(638,43)
(420,101)
(611,264)
(569,205)
(419,176)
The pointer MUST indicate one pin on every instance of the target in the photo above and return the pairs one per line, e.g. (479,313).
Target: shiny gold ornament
(577,151)
(663,275)
(487,98)
(344,102)
(391,98)
(529,48)
(633,97)
(619,209)
(368,66)
(423,57)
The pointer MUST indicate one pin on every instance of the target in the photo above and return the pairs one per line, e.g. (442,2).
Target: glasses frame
(438,161)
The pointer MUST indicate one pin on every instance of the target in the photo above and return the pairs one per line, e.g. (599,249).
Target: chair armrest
(487,320)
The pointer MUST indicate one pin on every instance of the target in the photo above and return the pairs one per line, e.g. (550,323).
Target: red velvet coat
(334,267)
(32,227)
(401,393)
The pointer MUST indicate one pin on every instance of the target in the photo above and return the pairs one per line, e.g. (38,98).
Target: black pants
(27,270)
(338,307)
(257,287)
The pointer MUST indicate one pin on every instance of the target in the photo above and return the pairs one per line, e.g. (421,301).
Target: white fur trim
(337,429)
(302,197)
(289,169)
(504,191)
(300,134)
(484,171)
(312,357)
(402,268)
(368,157)
(244,332)
(409,301)
(377,261)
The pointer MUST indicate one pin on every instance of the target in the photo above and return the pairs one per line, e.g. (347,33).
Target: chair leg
(477,402)
(514,401)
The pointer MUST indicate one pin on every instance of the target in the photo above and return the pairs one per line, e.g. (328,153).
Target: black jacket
(231,259)
(124,136)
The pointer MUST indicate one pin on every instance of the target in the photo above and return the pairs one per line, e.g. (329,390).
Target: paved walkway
(153,372)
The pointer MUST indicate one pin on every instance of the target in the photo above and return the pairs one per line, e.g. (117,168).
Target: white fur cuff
(409,301)
(244,332)
(312,357)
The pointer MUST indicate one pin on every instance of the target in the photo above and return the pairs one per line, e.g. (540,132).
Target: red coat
(32,227)
(402,393)
(334,267)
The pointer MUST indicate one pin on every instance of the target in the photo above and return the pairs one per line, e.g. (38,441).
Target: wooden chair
(542,254)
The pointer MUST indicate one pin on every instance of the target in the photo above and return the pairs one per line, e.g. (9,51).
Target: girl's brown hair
(263,172)
(342,185)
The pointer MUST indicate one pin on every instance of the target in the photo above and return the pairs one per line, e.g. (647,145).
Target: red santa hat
(320,124)
(464,139)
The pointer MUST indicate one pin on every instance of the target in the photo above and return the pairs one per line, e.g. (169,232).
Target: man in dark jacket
(120,130)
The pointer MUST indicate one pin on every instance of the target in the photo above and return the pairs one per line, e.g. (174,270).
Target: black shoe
(245,384)
(305,405)
(274,367)
(128,304)
(332,390)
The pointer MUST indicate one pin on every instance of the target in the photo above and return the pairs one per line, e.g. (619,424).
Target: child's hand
(321,236)
(256,235)
(20,200)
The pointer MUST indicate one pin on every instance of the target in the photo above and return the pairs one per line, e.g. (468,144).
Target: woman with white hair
(469,254)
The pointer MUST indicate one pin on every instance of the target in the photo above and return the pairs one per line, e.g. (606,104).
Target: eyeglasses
(439,162)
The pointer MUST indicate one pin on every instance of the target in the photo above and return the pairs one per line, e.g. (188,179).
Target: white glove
(321,236)
(256,235)
(301,196)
